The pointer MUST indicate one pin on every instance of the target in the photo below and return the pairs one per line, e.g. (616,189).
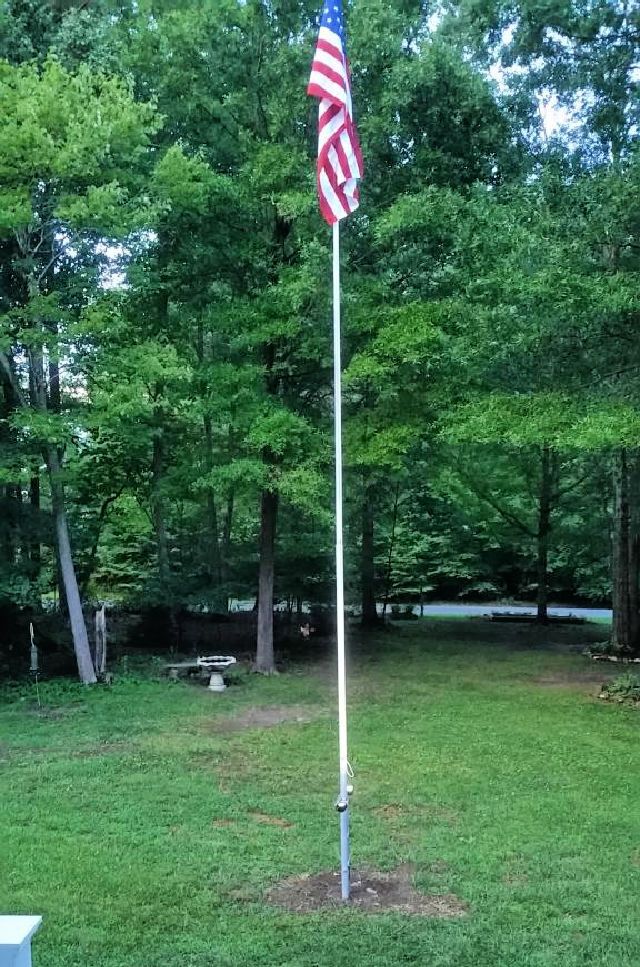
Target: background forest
(165,339)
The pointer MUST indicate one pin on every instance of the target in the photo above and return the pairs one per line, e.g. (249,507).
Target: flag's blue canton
(332,18)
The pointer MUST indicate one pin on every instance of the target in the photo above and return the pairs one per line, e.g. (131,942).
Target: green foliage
(160,246)
(562,421)
(623,689)
(80,132)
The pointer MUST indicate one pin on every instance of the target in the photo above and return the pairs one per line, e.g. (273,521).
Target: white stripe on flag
(350,189)
(334,161)
(331,88)
(331,38)
(347,147)
(332,199)
(333,63)
(330,129)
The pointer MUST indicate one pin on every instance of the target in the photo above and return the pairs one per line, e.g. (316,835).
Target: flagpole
(343,798)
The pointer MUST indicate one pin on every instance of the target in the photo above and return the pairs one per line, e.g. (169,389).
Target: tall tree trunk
(213,537)
(215,560)
(14,516)
(35,554)
(367,561)
(268,520)
(392,540)
(624,559)
(226,535)
(6,551)
(162,541)
(633,469)
(55,401)
(225,549)
(63,610)
(66,569)
(544,528)
(157,509)
(10,494)
(634,596)
(68,574)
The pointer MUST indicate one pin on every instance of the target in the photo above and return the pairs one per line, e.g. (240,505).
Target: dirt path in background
(574,678)
(266,716)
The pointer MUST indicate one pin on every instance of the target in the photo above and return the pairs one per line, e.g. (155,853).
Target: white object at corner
(15,940)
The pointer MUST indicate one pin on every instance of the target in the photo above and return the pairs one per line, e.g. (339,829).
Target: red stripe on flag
(337,186)
(329,73)
(344,161)
(338,192)
(330,49)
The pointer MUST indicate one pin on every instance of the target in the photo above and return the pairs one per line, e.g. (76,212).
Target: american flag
(339,157)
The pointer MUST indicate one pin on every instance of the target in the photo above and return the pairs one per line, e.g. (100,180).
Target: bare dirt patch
(48,752)
(100,749)
(55,712)
(371,892)
(266,717)
(515,879)
(394,811)
(438,867)
(573,678)
(266,820)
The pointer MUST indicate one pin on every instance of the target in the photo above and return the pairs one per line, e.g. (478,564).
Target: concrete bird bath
(215,665)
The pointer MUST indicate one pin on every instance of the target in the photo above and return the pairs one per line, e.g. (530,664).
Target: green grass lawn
(146,830)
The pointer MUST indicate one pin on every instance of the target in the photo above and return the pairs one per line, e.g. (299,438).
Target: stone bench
(175,669)
(15,940)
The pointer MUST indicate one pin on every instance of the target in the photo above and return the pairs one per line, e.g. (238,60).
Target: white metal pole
(343,799)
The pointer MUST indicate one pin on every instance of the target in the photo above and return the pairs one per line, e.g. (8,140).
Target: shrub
(624,689)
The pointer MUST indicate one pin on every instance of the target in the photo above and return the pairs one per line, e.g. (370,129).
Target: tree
(425,117)
(67,164)
(583,61)
(490,287)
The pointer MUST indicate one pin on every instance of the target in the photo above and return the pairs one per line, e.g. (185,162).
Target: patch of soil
(265,717)
(267,820)
(371,892)
(390,810)
(101,748)
(393,810)
(56,711)
(515,879)
(438,866)
(222,823)
(86,752)
(573,678)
